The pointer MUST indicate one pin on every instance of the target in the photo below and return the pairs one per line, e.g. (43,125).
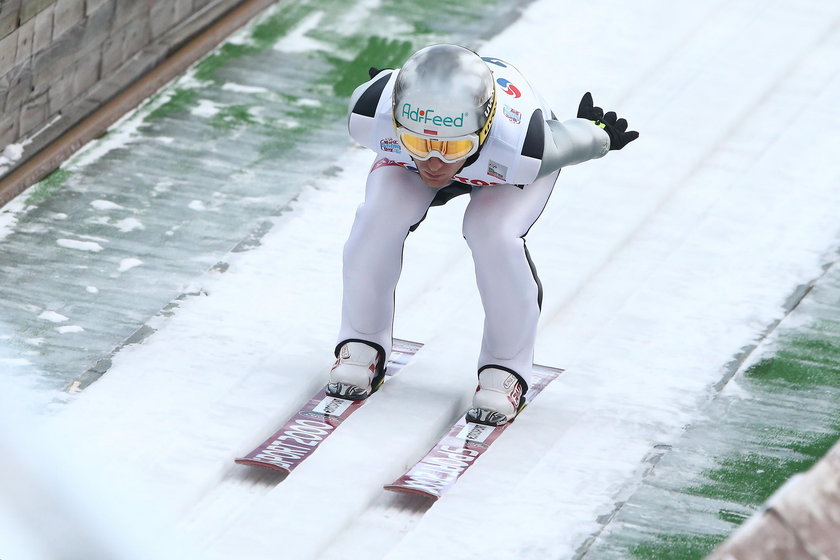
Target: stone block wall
(62,59)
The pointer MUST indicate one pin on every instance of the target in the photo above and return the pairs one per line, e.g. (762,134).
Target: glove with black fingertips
(615,127)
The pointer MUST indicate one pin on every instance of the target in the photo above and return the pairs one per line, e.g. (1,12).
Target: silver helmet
(445,91)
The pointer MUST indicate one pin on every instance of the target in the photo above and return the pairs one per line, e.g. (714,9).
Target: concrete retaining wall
(62,59)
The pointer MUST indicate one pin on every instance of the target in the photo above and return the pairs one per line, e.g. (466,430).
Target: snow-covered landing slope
(660,264)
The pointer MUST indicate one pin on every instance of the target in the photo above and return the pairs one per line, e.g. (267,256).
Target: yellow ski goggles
(448,149)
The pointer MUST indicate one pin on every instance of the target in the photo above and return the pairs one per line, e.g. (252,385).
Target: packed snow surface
(660,263)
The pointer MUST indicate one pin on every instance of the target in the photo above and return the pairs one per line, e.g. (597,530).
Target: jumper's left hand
(616,128)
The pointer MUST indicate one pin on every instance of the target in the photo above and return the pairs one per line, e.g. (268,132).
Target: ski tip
(413,491)
(262,464)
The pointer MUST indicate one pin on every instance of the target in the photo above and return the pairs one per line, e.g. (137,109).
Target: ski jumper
(509,181)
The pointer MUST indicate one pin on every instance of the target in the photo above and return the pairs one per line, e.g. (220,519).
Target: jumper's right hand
(614,127)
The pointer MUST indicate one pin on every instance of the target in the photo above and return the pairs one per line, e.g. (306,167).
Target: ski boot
(359,370)
(499,397)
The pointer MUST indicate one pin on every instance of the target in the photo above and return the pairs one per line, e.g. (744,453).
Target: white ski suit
(509,181)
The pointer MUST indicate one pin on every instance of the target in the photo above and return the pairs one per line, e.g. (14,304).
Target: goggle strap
(485,130)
